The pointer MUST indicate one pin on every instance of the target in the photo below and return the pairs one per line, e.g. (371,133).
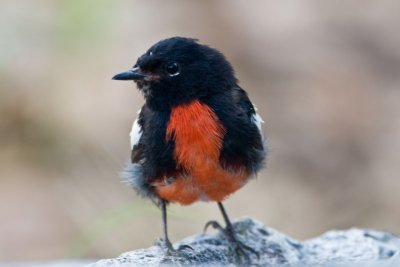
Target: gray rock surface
(354,247)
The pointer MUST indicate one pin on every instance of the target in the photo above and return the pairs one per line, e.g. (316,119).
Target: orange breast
(198,136)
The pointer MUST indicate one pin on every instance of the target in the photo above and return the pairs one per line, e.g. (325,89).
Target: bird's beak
(132,74)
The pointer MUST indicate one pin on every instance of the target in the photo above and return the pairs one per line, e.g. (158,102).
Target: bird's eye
(172,69)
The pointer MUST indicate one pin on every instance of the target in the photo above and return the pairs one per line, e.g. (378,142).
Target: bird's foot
(242,251)
(169,250)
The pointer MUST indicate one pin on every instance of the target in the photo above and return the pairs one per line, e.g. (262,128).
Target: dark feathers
(201,73)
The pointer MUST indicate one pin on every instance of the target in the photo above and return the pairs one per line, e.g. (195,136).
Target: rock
(354,247)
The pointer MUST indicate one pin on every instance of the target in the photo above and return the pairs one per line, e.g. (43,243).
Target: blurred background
(324,75)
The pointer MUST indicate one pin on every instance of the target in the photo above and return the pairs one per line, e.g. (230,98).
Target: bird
(198,136)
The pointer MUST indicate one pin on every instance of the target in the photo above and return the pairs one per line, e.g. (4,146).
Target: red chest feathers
(198,135)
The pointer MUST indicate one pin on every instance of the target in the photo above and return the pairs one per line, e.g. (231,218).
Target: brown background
(324,75)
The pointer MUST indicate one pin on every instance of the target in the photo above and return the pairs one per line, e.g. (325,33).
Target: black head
(178,70)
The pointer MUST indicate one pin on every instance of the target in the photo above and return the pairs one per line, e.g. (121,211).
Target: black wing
(151,155)
(243,142)
(133,172)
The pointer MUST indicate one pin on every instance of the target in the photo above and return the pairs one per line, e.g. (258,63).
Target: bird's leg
(240,248)
(165,243)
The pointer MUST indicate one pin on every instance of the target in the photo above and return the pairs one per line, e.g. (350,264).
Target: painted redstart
(198,136)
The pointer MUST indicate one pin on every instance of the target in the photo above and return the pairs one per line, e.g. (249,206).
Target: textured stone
(354,247)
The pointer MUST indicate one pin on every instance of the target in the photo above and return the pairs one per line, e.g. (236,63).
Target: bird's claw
(185,247)
(215,225)
(241,250)
(169,250)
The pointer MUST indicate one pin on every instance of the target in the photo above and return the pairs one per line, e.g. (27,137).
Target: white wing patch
(257,120)
(136,133)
